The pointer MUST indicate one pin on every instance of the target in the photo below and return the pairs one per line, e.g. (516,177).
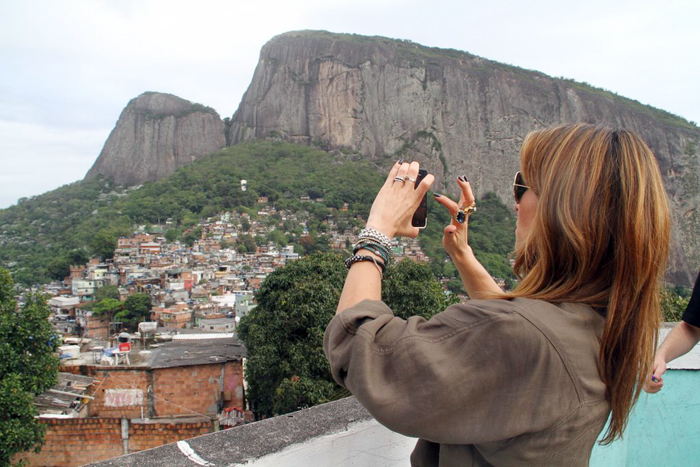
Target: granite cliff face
(157,134)
(454,112)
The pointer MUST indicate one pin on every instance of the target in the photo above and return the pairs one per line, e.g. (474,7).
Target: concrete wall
(111,380)
(197,388)
(182,390)
(663,427)
(74,442)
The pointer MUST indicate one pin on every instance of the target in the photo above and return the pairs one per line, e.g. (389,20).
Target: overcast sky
(70,67)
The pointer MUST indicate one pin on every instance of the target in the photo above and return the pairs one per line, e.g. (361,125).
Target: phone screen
(420,217)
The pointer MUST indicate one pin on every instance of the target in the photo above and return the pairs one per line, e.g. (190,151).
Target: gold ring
(471,209)
(464,212)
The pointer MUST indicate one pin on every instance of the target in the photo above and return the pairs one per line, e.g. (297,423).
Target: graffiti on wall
(123,397)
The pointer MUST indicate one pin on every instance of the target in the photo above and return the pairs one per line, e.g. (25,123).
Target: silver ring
(410,179)
(400,179)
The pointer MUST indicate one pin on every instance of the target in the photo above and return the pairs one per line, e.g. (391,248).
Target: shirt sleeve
(475,373)
(691,315)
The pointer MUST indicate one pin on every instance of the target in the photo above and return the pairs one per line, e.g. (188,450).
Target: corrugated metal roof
(198,352)
(65,396)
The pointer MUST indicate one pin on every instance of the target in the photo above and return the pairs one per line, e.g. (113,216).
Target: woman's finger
(467,195)
(454,208)
(451,206)
(393,173)
(403,170)
(412,173)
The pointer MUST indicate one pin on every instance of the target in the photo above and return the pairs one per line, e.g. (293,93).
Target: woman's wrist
(383,229)
(463,256)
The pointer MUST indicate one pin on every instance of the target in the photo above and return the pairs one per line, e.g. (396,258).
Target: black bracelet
(375,248)
(359,258)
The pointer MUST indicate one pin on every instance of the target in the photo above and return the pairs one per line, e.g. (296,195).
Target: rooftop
(342,433)
(197,352)
(183,350)
(66,398)
(348,436)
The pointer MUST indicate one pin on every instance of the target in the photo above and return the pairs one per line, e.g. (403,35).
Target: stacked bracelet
(376,248)
(375,236)
(359,258)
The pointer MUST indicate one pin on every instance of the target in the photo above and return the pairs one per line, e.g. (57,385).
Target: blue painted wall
(663,430)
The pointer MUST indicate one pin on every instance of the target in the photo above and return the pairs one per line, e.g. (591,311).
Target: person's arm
(477,372)
(680,341)
(476,280)
(391,215)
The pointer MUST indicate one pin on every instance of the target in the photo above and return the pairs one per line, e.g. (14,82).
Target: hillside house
(217,324)
(176,391)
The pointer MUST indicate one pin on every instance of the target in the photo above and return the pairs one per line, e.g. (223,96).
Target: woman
(528,377)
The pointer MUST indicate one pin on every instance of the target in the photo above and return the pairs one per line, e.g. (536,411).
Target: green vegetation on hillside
(42,236)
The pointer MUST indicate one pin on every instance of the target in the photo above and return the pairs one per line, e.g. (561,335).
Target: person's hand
(655,382)
(455,235)
(397,200)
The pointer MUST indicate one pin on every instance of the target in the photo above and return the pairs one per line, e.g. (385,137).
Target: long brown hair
(600,236)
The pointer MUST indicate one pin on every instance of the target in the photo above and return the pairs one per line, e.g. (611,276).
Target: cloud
(55,158)
(70,67)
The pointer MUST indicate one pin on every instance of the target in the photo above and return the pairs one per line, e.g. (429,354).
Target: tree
(137,308)
(284,334)
(108,307)
(29,367)
(287,368)
(104,242)
(246,244)
(277,237)
(172,234)
(672,304)
(107,291)
(58,268)
(410,289)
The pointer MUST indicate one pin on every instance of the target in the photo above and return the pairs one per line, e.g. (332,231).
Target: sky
(69,68)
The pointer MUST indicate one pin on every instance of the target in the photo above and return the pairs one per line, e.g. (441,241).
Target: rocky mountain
(454,112)
(157,134)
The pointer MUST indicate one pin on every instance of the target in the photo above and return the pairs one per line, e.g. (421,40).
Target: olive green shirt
(484,383)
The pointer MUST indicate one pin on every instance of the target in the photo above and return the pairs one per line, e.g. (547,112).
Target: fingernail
(436,195)
(401,161)
(466,179)
(460,178)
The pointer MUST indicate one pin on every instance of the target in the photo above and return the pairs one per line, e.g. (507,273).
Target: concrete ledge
(242,444)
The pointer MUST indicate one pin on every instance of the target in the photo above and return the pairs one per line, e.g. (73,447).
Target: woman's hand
(397,200)
(655,381)
(455,236)
(476,280)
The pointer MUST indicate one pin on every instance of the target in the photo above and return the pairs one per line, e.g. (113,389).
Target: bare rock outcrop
(157,134)
(454,112)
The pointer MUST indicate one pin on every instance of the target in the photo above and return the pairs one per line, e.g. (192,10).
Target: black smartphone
(420,217)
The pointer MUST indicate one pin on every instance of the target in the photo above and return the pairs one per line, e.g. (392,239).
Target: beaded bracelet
(359,258)
(369,233)
(375,248)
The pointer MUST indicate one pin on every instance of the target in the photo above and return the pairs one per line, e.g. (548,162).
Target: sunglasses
(519,187)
